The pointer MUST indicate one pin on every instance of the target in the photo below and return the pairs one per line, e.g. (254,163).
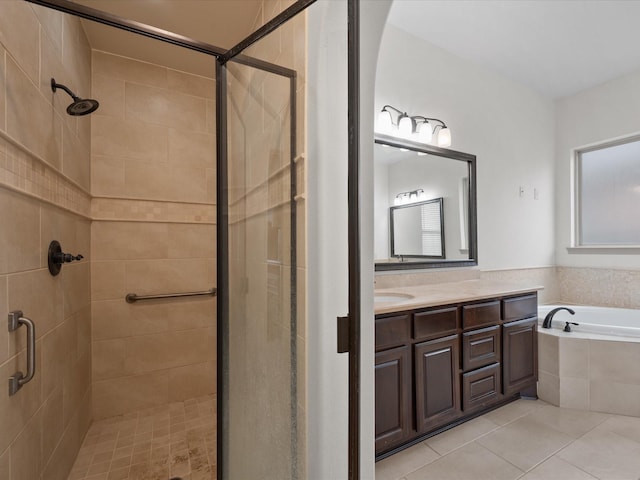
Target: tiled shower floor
(175,440)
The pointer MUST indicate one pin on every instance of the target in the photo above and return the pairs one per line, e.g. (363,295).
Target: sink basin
(392,297)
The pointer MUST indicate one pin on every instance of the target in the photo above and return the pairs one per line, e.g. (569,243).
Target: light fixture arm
(440,124)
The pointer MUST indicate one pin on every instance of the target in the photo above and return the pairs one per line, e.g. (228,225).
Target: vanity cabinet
(436,365)
(445,364)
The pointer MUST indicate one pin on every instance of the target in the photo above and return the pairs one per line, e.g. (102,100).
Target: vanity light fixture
(392,121)
(413,196)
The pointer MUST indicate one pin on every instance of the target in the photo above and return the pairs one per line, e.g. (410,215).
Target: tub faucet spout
(549,317)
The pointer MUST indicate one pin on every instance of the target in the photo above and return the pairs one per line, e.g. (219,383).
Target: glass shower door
(260,360)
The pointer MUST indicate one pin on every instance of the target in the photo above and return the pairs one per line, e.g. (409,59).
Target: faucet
(549,317)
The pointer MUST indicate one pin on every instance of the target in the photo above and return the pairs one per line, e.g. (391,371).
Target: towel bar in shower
(18,379)
(132,297)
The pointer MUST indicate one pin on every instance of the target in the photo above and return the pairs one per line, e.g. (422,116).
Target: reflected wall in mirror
(417,230)
(409,176)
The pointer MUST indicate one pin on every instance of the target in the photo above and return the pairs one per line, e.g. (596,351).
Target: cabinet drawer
(392,331)
(435,323)
(519,307)
(480,347)
(480,314)
(481,387)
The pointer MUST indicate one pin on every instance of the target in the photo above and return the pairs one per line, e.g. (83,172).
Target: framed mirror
(424,206)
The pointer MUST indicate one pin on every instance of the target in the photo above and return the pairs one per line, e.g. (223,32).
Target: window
(608,195)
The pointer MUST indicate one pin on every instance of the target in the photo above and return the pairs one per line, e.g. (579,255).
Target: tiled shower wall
(153,181)
(44,195)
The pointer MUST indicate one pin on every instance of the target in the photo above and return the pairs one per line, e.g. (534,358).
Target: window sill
(606,249)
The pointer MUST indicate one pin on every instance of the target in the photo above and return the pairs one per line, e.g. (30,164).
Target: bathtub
(624,322)
(593,367)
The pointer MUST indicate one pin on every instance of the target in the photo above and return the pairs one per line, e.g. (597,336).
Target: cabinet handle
(18,379)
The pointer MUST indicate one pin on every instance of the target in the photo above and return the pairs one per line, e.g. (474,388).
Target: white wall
(510,129)
(602,113)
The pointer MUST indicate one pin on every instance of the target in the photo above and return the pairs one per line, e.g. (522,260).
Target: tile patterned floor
(526,440)
(175,440)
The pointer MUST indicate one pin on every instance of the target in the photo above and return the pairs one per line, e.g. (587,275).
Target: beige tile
(52,67)
(110,93)
(52,426)
(211,116)
(20,244)
(164,107)
(574,423)
(512,411)
(628,427)
(574,393)
(167,350)
(118,319)
(26,461)
(574,357)
(398,465)
(470,458)
(15,411)
(82,321)
(57,224)
(189,314)
(604,454)
(549,388)
(525,442)
(128,394)
(193,380)
(108,280)
(37,294)
(548,358)
(51,22)
(191,84)
(108,359)
(192,148)
(76,286)
(136,141)
(179,184)
(19,33)
(608,361)
(77,382)
(146,277)
(129,240)
(557,469)
(4,334)
(612,397)
(122,68)
(58,356)
(5,460)
(30,118)
(450,440)
(191,241)
(76,159)
(107,176)
(3,102)
(76,55)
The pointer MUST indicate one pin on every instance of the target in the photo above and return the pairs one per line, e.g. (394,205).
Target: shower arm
(55,85)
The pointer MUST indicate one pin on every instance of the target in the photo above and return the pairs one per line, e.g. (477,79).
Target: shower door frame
(222,56)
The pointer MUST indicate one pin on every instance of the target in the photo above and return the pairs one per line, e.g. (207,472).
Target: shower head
(80,106)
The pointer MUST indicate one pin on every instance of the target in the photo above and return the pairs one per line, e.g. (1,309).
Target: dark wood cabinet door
(519,355)
(393,397)
(481,387)
(437,382)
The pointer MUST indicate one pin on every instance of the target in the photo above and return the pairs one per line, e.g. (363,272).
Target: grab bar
(132,297)
(18,379)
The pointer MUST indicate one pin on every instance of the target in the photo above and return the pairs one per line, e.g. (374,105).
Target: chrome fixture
(80,106)
(392,121)
(549,317)
(56,258)
(132,297)
(410,197)
(18,379)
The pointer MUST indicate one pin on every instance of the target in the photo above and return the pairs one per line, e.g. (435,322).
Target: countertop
(446,293)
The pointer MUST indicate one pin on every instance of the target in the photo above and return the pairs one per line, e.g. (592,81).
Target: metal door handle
(18,379)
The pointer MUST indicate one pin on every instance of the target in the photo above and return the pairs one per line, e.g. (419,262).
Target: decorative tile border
(25,172)
(117,209)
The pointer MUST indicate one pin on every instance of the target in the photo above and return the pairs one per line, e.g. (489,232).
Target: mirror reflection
(424,206)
